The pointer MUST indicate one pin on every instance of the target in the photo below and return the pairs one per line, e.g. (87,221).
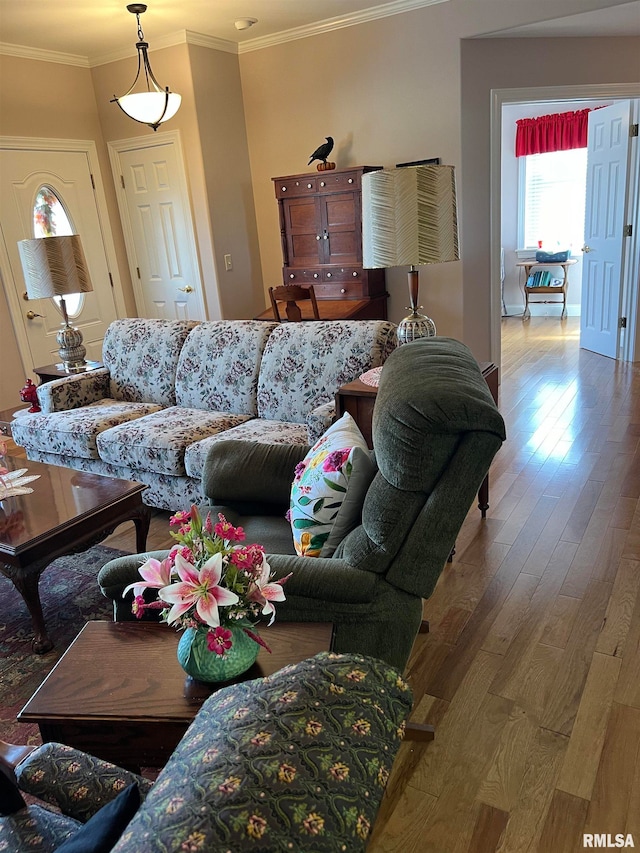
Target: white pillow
(328,489)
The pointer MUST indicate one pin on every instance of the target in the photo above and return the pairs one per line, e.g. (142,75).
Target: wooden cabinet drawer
(340,290)
(301,276)
(349,274)
(288,187)
(328,182)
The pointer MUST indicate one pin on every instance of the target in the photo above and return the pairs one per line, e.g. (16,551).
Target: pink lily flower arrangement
(209,580)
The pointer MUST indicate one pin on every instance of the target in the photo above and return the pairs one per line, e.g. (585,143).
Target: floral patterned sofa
(296,761)
(170,389)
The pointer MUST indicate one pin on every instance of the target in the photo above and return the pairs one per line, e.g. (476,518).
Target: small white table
(535,291)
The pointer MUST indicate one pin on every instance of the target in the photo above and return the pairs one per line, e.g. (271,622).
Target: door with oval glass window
(48,194)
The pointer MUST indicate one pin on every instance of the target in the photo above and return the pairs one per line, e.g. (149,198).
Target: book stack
(540,278)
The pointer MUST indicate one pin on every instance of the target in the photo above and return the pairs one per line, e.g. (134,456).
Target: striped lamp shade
(409,216)
(54,266)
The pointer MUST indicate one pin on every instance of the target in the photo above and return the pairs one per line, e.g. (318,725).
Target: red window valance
(559,132)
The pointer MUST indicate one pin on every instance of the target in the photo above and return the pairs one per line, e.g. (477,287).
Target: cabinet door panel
(340,211)
(303,231)
(341,221)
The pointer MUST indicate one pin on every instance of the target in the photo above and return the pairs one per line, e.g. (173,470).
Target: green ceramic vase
(197,661)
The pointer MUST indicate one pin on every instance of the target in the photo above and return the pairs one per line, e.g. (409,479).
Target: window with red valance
(558,132)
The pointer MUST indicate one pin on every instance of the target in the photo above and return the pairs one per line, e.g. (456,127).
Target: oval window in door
(50,219)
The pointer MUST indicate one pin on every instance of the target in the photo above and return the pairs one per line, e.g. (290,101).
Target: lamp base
(71,351)
(415,326)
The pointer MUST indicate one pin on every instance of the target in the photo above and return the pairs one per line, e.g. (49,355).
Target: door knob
(31,315)
(187,289)
(587,249)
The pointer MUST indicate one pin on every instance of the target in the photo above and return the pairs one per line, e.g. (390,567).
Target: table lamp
(56,266)
(409,218)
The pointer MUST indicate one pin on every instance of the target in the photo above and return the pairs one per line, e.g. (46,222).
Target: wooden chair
(291,294)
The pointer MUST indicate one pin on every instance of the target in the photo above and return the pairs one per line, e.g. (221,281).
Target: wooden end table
(58,371)
(119,693)
(358,399)
(546,290)
(68,512)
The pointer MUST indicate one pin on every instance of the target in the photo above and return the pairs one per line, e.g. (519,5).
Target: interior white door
(606,203)
(158,226)
(67,173)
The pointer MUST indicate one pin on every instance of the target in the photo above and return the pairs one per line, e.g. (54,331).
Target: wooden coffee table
(120,694)
(68,512)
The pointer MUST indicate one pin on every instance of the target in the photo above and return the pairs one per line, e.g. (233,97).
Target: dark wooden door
(304,231)
(341,229)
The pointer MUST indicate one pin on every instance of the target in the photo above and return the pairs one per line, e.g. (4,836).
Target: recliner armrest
(322,578)
(327,579)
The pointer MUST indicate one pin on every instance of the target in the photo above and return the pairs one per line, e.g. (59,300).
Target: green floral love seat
(297,761)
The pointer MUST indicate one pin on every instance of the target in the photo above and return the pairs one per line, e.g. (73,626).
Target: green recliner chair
(436,430)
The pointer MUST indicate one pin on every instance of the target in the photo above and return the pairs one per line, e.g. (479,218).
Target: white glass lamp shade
(409,217)
(54,266)
(147,107)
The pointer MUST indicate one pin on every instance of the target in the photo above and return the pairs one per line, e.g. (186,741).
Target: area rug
(70,597)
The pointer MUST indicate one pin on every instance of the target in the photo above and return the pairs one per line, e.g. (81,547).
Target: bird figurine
(322,151)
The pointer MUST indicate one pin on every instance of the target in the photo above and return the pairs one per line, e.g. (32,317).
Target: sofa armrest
(298,760)
(77,783)
(319,420)
(250,473)
(72,392)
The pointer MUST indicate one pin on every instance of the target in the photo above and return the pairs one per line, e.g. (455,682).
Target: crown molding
(202,40)
(24,52)
(396,7)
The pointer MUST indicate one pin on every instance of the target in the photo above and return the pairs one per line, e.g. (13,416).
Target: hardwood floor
(531,670)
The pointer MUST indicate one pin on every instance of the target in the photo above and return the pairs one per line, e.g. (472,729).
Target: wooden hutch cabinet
(321,233)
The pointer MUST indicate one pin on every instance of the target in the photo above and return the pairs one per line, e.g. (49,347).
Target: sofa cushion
(158,442)
(219,364)
(142,357)
(295,761)
(259,430)
(74,433)
(304,364)
(321,485)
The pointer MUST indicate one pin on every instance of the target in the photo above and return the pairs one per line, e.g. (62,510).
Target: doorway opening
(542,208)
(503,212)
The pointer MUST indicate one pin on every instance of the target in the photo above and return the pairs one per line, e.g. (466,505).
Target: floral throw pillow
(328,489)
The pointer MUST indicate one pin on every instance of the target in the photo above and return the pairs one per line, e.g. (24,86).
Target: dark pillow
(101,832)
(10,798)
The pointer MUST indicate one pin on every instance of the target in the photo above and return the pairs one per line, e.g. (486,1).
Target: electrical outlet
(228,263)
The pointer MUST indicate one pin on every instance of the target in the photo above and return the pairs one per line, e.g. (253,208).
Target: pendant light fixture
(155,104)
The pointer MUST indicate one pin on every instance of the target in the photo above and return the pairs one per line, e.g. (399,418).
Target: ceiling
(102,31)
